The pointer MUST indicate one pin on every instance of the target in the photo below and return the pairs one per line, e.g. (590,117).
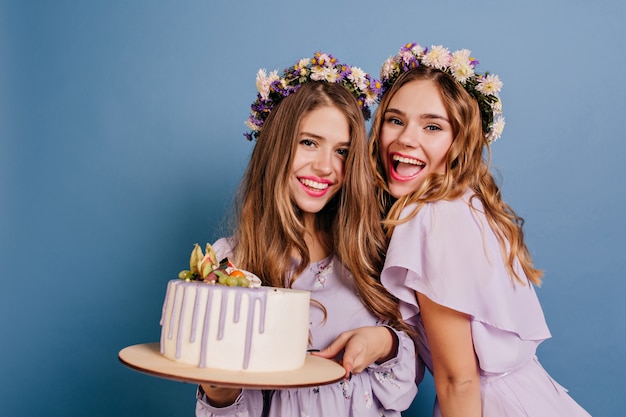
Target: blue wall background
(121,129)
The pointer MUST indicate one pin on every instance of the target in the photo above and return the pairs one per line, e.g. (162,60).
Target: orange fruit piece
(237,273)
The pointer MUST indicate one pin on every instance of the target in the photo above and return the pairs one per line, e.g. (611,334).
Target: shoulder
(224,247)
(456,214)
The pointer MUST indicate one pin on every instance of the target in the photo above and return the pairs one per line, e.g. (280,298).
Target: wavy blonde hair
(467,167)
(268,225)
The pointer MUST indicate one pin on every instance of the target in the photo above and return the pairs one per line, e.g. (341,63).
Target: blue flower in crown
(485,88)
(272,88)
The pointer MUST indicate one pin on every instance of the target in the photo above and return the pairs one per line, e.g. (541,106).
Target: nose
(322,164)
(409,137)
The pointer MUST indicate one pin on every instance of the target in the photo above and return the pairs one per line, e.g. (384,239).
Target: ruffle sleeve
(449,253)
(223,248)
(393,383)
(249,403)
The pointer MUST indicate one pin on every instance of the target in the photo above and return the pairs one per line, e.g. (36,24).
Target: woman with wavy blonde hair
(457,259)
(305,220)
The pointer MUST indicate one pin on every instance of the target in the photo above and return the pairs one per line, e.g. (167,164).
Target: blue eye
(343,152)
(433,127)
(307,142)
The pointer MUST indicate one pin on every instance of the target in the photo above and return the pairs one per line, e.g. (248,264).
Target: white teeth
(408,160)
(314,184)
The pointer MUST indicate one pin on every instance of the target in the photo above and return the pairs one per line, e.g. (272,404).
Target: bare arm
(455,367)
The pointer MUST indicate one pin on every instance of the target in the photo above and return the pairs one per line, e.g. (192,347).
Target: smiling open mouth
(406,167)
(313,185)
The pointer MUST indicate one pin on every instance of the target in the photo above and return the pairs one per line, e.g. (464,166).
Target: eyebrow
(422,116)
(318,137)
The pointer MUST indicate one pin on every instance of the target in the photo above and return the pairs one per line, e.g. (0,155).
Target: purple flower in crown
(260,106)
(344,72)
(460,65)
(321,67)
(291,89)
(323,59)
(375,85)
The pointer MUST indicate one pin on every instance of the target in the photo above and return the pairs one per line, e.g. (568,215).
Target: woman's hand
(220,396)
(362,347)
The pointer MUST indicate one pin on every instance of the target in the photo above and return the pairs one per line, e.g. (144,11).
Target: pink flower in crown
(460,65)
(321,67)
(417,49)
(407,57)
(388,68)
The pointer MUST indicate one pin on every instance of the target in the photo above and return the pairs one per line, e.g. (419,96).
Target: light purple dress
(449,253)
(385,389)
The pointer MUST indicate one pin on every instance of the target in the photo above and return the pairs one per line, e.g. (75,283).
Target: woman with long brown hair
(457,259)
(305,220)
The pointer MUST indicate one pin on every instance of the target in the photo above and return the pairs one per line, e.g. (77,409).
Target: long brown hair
(269,227)
(467,167)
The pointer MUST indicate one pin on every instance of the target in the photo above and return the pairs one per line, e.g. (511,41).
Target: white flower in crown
(461,67)
(357,76)
(273,88)
(263,82)
(418,50)
(324,74)
(463,72)
(371,97)
(303,66)
(325,59)
(437,57)
(496,129)
(251,125)
(496,106)
(460,58)
(489,84)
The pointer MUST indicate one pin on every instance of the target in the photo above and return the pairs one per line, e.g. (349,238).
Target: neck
(318,249)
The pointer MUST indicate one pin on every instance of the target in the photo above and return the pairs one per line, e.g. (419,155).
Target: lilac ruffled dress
(449,253)
(385,389)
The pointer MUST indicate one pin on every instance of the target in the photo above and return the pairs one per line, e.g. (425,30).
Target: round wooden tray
(148,359)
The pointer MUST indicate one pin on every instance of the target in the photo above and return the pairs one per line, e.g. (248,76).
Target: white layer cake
(235,328)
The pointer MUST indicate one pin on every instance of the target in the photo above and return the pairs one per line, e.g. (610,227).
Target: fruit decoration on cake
(205,267)
(218,316)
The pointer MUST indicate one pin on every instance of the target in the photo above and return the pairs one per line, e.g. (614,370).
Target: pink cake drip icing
(254,295)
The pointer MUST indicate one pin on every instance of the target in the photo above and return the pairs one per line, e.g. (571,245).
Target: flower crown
(321,67)
(484,88)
